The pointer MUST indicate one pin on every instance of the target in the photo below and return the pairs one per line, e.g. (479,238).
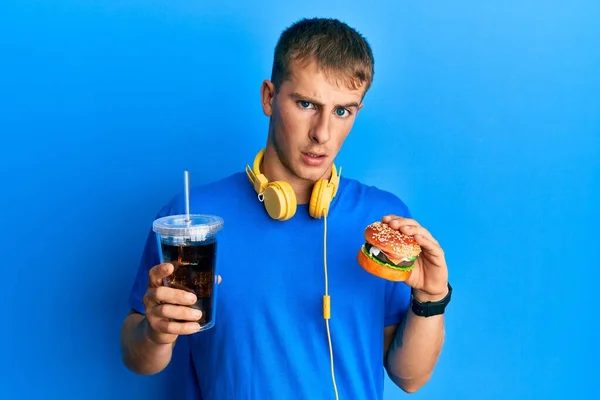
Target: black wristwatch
(431,308)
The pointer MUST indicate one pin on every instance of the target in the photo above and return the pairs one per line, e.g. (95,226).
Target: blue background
(484,117)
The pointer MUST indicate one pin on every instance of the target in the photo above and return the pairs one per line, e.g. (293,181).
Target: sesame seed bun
(393,243)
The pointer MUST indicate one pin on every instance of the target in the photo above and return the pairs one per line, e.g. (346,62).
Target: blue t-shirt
(270,340)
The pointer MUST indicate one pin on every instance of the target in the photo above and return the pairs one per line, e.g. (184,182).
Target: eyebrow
(298,96)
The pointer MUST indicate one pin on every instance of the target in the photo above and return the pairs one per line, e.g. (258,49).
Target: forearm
(140,354)
(414,350)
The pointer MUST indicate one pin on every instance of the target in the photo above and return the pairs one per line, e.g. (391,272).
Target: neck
(274,170)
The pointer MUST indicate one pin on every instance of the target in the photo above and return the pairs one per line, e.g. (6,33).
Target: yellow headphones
(279,197)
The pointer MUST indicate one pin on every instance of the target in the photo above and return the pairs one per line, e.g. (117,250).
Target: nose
(320,129)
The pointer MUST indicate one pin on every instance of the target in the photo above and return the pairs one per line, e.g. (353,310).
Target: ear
(267,92)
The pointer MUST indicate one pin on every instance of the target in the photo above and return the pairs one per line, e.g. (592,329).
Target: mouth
(314,155)
(314,159)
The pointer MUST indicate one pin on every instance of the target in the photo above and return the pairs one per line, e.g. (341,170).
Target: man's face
(311,117)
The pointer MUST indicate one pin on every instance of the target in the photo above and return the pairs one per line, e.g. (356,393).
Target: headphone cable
(327,306)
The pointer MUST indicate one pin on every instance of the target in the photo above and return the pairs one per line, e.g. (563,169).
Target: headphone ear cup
(320,199)
(280,200)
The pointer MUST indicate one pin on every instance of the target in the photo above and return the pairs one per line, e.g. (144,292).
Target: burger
(388,253)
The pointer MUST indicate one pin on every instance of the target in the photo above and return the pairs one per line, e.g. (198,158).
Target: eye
(304,104)
(342,112)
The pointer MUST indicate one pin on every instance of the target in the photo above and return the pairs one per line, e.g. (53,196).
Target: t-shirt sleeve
(150,257)
(397,301)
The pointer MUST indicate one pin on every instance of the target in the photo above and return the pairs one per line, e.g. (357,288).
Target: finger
(410,226)
(433,249)
(174,327)
(398,222)
(164,294)
(412,230)
(219,280)
(388,218)
(158,272)
(391,217)
(183,313)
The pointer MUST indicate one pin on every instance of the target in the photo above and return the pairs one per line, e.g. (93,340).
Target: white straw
(187,196)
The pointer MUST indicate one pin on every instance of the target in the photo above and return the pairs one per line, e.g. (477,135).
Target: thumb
(414,280)
(158,272)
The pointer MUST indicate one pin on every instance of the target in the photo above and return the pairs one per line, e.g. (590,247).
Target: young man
(271,340)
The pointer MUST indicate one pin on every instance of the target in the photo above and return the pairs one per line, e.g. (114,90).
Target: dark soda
(194,272)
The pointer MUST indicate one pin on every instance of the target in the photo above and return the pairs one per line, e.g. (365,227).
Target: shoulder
(358,195)
(210,195)
(227,185)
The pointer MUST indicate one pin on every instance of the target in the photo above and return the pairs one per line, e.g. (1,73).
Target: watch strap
(431,308)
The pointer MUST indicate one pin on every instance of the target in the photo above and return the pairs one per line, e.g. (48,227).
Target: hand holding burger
(399,249)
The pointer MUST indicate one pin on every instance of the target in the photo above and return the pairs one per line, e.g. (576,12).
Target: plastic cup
(191,246)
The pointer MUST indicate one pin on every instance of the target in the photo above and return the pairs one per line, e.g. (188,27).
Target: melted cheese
(374,251)
(395,260)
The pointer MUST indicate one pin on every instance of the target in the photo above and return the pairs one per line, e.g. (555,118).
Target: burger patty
(382,257)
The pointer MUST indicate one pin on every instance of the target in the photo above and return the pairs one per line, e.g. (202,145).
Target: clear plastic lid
(199,227)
